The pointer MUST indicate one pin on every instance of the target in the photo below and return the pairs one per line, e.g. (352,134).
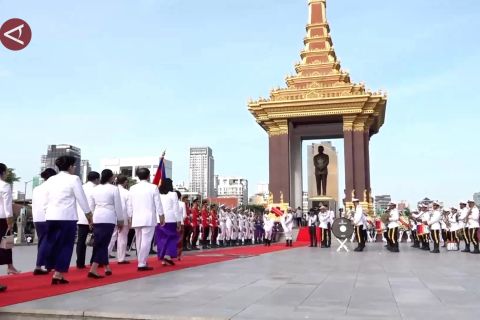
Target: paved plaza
(302,283)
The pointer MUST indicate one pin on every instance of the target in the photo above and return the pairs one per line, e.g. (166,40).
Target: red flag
(160,174)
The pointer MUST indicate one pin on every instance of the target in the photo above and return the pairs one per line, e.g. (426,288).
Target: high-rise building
(233,187)
(129,166)
(85,169)
(57,150)
(382,201)
(476,198)
(202,171)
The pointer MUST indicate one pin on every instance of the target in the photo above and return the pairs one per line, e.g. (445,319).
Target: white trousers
(121,238)
(223,232)
(143,240)
(288,234)
(268,234)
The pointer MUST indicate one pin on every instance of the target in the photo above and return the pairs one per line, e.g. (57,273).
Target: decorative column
(359,159)
(279,169)
(367,159)
(349,159)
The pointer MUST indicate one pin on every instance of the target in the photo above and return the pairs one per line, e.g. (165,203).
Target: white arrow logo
(8,34)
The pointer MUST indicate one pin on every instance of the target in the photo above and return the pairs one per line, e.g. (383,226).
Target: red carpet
(304,235)
(26,287)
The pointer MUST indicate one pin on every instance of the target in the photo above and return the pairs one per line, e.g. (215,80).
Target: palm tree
(11,176)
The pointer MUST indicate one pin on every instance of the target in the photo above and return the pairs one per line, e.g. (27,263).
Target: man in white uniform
(473,225)
(358,222)
(393,227)
(121,236)
(435,227)
(287,225)
(146,209)
(462,225)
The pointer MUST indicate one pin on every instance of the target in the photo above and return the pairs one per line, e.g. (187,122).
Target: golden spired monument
(319,102)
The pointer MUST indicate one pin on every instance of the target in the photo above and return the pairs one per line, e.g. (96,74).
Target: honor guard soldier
(287,225)
(453,219)
(205,224)
(195,225)
(426,232)
(473,225)
(413,224)
(393,227)
(434,224)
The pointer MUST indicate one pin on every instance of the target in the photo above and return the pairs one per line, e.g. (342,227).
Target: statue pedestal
(319,201)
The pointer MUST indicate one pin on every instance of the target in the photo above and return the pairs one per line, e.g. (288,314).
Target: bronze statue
(321,161)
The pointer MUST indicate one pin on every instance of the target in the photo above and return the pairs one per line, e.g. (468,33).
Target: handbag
(89,242)
(7,241)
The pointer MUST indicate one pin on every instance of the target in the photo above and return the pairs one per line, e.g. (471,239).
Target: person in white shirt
(166,231)
(106,205)
(83,228)
(435,226)
(63,192)
(39,206)
(453,220)
(6,220)
(312,223)
(358,222)
(324,218)
(462,224)
(393,227)
(417,238)
(120,236)
(268,226)
(147,210)
(473,225)
(182,214)
(287,225)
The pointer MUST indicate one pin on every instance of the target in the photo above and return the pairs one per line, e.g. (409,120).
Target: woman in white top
(167,231)
(39,206)
(6,220)
(106,206)
(63,192)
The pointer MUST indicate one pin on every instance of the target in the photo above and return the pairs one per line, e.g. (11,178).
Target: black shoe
(94,275)
(195,248)
(395,250)
(111,256)
(127,255)
(56,281)
(153,252)
(144,268)
(108,273)
(3,288)
(40,272)
(467,248)
(169,261)
(81,267)
(435,251)
(124,262)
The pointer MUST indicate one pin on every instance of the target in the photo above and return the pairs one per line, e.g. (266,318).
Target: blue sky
(131,78)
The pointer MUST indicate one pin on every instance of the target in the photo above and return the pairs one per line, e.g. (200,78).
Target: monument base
(319,201)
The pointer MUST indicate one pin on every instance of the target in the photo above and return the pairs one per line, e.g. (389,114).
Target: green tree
(11,176)
(131,182)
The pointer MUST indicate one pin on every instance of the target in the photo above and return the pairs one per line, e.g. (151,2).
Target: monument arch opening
(319,103)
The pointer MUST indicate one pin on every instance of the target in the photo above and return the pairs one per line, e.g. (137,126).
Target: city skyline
(72,71)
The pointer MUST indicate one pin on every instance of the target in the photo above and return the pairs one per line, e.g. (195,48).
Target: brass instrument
(385,217)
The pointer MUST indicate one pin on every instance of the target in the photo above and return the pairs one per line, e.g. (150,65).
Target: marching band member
(106,205)
(444,227)
(473,225)
(462,223)
(434,224)
(147,210)
(416,215)
(358,222)
(393,227)
(287,225)
(64,191)
(234,235)
(195,225)
(324,218)
(426,236)
(312,228)
(39,206)
(329,231)
(83,228)
(258,223)
(453,219)
(241,228)
(167,229)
